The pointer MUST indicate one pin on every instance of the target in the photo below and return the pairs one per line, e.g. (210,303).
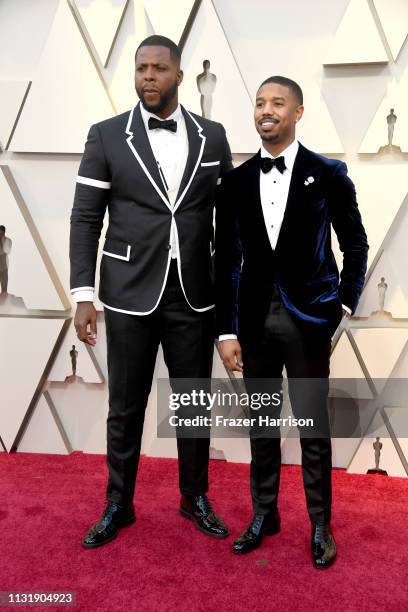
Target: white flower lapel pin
(309,180)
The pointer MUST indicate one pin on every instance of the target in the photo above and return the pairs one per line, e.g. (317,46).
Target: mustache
(165,97)
(266,117)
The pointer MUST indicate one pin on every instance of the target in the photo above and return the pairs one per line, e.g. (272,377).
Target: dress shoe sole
(190,517)
(125,523)
(269,532)
(324,567)
(330,561)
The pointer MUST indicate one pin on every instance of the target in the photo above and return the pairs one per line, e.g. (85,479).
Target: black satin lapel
(254,182)
(141,143)
(254,194)
(297,180)
(194,149)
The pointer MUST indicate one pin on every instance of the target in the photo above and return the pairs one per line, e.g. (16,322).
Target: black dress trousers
(187,339)
(305,353)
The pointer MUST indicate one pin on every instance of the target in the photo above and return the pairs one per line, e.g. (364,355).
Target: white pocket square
(212,163)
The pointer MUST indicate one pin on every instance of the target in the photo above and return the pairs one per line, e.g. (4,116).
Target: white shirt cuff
(83,295)
(347,309)
(227,337)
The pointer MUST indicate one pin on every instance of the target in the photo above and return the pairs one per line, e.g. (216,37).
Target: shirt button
(272,202)
(274,181)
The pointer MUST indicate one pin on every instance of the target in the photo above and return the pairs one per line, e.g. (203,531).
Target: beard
(165,99)
(270,137)
(273,137)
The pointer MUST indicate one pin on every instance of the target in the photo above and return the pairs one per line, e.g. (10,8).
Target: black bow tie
(267,163)
(168,124)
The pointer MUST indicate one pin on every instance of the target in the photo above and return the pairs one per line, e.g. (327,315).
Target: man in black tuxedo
(279,297)
(156,169)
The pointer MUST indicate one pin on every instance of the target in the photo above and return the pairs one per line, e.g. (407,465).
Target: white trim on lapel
(203,138)
(142,165)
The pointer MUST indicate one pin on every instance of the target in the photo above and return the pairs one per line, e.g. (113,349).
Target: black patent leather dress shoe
(323,546)
(199,510)
(261,525)
(107,528)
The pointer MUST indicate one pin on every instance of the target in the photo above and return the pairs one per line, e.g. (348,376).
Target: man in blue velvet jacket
(279,297)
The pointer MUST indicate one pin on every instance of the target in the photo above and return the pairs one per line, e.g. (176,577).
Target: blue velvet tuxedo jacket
(302,266)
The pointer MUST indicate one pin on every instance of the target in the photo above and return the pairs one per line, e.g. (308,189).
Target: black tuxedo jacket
(118,172)
(302,266)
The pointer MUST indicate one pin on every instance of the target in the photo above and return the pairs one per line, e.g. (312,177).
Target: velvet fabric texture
(302,266)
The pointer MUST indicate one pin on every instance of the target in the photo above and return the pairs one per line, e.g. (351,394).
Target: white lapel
(195,153)
(196,142)
(130,134)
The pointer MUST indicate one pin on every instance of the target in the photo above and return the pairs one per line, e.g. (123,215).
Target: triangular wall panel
(259,55)
(381,189)
(26,345)
(376,138)
(30,283)
(396,245)
(364,458)
(345,368)
(120,73)
(316,128)
(12,98)
(395,301)
(357,40)
(403,442)
(42,434)
(169,18)
(101,19)
(82,409)
(67,94)
(380,350)
(73,352)
(393,15)
(207,41)
(343,361)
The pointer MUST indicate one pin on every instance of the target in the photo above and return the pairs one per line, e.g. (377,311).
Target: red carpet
(162,563)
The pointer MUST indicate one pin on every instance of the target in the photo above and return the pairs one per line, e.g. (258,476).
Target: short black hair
(292,85)
(161,41)
(2,228)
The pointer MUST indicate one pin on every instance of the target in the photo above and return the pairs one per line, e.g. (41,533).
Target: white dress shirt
(274,190)
(170,149)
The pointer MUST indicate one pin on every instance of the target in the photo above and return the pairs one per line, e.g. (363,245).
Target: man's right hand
(85,323)
(231,354)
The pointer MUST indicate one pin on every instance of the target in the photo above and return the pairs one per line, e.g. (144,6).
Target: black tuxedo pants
(305,353)
(187,339)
